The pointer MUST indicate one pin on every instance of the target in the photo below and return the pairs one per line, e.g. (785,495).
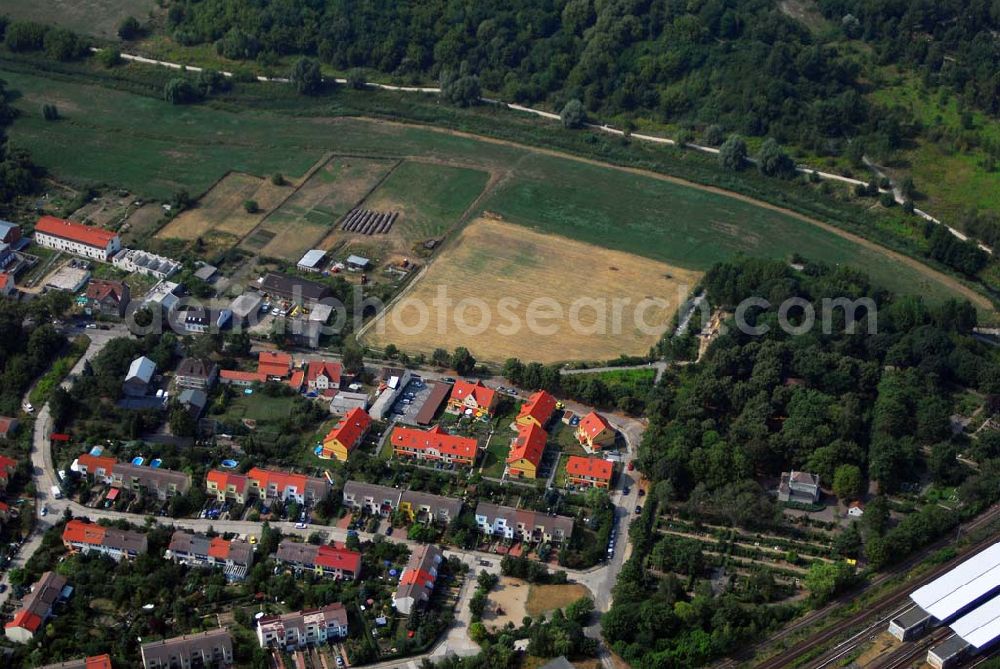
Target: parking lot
(411,401)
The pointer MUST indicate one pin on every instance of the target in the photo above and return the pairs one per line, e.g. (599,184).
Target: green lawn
(258,407)
(99,18)
(155,149)
(431,197)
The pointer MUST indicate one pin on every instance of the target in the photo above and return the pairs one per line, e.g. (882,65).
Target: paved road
(599,580)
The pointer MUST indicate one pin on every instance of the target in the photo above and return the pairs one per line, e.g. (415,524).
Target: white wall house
(77,238)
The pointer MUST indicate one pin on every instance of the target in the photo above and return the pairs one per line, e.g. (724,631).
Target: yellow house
(526,452)
(347,434)
(537,410)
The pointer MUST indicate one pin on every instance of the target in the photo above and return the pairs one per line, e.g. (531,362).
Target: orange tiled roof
(350,428)
(225,479)
(484,396)
(539,406)
(218,548)
(274,363)
(98,662)
(78,531)
(593,424)
(236,375)
(528,444)
(416,576)
(6,280)
(317,368)
(597,468)
(26,619)
(280,480)
(95,462)
(339,558)
(298,376)
(77,232)
(436,438)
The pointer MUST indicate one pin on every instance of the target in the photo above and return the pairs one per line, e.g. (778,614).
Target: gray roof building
(211,648)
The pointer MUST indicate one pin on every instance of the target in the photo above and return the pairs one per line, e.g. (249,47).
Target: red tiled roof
(297,378)
(78,531)
(98,289)
(4,508)
(236,375)
(417,576)
(7,463)
(597,468)
(593,424)
(274,363)
(26,619)
(95,462)
(528,444)
(436,438)
(280,480)
(339,558)
(350,428)
(218,548)
(224,479)
(77,232)
(6,280)
(98,662)
(331,370)
(484,396)
(539,406)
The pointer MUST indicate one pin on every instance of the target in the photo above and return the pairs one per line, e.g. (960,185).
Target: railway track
(911,652)
(877,614)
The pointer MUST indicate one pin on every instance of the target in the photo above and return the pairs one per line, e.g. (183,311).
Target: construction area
(962,607)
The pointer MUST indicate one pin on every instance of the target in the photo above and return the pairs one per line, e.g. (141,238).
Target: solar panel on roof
(973,579)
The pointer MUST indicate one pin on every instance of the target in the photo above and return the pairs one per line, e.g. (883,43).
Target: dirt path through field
(954,284)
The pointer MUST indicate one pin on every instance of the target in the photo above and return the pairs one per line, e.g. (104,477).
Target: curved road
(599,580)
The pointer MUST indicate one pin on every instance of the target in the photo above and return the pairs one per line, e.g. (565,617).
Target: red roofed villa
(347,434)
(274,364)
(476,397)
(537,410)
(596,472)
(526,451)
(434,444)
(77,238)
(595,432)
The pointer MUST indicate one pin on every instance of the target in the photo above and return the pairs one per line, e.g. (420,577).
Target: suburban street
(599,580)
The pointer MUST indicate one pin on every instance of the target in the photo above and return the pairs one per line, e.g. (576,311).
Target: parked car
(300,526)
(631,465)
(388,531)
(626,490)
(638,510)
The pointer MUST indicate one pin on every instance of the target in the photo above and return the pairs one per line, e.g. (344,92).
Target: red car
(631,465)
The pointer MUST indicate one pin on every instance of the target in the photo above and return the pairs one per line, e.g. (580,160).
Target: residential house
(376,499)
(226,486)
(162,296)
(325,560)
(10,233)
(197,550)
(269,484)
(143,262)
(299,629)
(117,544)
(274,365)
(92,662)
(100,467)
(107,298)
(537,410)
(856,509)
(161,483)
(322,376)
(242,379)
(799,487)
(7,468)
(194,401)
(8,427)
(36,608)
(472,396)
(7,286)
(523,525)
(196,374)
(77,238)
(433,445)
(595,472)
(526,451)
(416,583)
(347,435)
(140,374)
(213,648)
(594,432)
(428,508)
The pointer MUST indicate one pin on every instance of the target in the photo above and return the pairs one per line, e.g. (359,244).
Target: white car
(28,408)
(300,526)
(45,510)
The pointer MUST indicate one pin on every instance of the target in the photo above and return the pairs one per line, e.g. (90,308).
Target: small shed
(357,262)
(312,260)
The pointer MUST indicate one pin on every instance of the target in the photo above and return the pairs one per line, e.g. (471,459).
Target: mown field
(155,149)
(99,18)
(598,292)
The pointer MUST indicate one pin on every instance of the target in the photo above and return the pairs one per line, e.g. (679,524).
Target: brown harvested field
(141,222)
(221,210)
(545,598)
(600,294)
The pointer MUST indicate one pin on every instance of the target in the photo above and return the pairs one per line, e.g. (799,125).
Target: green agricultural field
(155,149)
(99,18)
(430,197)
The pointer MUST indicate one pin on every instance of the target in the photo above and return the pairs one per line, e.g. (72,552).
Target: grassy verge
(40,394)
